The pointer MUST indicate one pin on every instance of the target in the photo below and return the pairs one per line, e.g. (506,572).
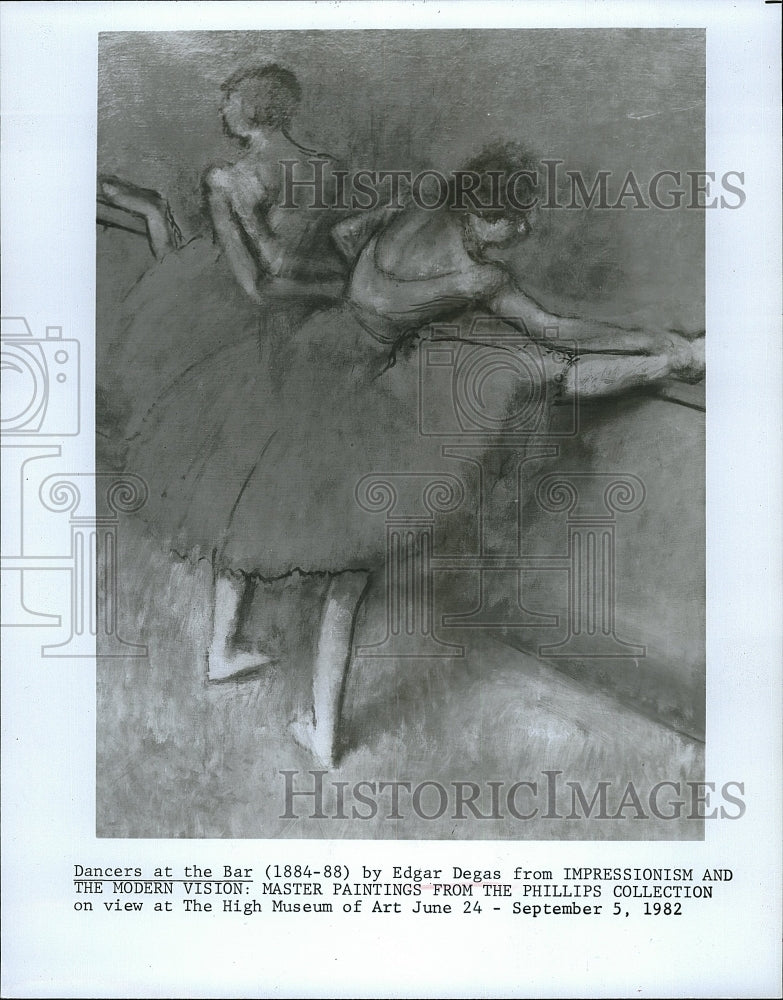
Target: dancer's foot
(687,358)
(315,741)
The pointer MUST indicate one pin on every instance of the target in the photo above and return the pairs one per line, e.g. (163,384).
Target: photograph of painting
(400,415)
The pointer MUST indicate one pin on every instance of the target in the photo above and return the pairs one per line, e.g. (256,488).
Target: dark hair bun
(509,178)
(270,95)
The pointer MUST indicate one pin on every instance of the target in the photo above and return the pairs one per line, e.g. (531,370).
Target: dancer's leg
(607,375)
(224,660)
(318,732)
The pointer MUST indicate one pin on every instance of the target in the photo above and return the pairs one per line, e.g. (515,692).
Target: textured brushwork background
(178,758)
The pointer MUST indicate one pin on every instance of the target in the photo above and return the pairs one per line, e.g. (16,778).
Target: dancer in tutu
(206,294)
(254,456)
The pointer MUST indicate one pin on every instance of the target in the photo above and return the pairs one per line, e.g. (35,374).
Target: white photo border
(732,948)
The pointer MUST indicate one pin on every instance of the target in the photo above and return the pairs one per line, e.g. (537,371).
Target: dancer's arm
(351,234)
(229,235)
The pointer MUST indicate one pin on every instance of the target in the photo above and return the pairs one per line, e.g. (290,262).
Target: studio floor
(180,757)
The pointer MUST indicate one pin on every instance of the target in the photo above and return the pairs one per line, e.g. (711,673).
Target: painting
(400,383)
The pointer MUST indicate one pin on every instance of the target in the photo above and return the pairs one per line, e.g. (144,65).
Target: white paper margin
(728,948)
